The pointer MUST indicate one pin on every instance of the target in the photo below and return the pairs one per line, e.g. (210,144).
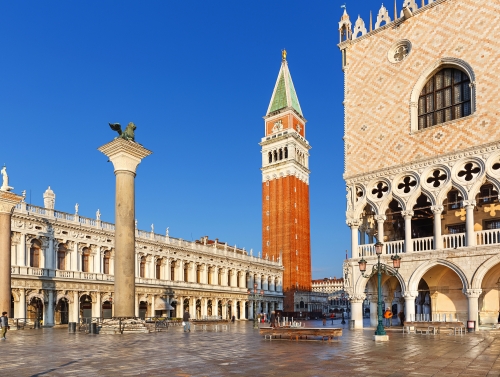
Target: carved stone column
(407,215)
(125,156)
(473,304)
(49,310)
(380,227)
(409,297)
(438,238)
(354,225)
(469,222)
(357,310)
(8,201)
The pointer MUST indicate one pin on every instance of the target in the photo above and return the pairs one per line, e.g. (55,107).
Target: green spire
(284,95)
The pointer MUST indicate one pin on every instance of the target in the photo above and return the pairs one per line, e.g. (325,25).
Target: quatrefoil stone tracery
(407,184)
(437,179)
(380,190)
(469,171)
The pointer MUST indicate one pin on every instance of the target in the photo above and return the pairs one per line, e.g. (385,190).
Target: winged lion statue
(128,134)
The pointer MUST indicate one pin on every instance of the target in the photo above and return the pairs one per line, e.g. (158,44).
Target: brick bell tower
(285,188)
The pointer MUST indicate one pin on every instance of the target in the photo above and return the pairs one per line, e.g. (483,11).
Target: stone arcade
(63,270)
(422,157)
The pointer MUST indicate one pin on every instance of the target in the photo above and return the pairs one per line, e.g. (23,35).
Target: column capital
(472,293)
(380,217)
(407,214)
(409,295)
(8,201)
(353,223)
(469,203)
(124,154)
(437,210)
(357,297)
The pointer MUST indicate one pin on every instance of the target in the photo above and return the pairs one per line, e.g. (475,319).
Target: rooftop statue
(5,180)
(128,134)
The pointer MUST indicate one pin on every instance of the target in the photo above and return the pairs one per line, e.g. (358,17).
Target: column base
(381,338)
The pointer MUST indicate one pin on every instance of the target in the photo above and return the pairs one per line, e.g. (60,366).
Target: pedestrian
(324,319)
(185,321)
(4,324)
(331,317)
(273,319)
(233,318)
(388,317)
(401,316)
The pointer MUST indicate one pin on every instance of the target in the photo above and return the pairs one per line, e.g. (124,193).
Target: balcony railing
(450,241)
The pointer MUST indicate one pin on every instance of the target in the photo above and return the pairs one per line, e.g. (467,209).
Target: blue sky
(196,77)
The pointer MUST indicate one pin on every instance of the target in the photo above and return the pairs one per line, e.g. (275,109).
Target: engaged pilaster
(126,156)
(8,201)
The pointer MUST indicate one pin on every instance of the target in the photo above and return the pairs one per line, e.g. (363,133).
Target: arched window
(210,272)
(275,154)
(446,96)
(186,272)
(219,277)
(105,262)
(61,257)
(142,267)
(270,156)
(172,271)
(286,152)
(281,154)
(198,274)
(158,268)
(229,278)
(85,259)
(35,253)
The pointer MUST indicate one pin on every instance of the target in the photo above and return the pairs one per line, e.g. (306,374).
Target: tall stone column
(373,312)
(410,305)
(380,228)
(357,310)
(407,215)
(8,201)
(473,304)
(22,303)
(469,222)
(125,156)
(438,239)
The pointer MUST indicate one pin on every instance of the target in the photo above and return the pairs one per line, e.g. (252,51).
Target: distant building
(334,288)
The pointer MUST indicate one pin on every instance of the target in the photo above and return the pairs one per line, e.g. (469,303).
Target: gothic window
(85,260)
(35,254)
(105,263)
(158,268)
(142,267)
(446,96)
(172,271)
(61,258)
(286,152)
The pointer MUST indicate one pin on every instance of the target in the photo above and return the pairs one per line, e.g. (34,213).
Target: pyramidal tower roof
(284,95)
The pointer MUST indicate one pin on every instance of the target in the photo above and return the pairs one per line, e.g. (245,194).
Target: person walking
(186,317)
(324,319)
(331,317)
(4,324)
(388,317)
(273,319)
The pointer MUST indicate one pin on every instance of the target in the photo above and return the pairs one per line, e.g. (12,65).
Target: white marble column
(407,215)
(354,225)
(48,318)
(469,222)
(380,228)
(192,307)
(49,263)
(224,309)
(179,307)
(136,308)
(473,304)
(438,238)
(242,309)
(259,282)
(250,309)
(21,257)
(410,305)
(357,310)
(22,303)
(97,305)
(250,281)
(75,308)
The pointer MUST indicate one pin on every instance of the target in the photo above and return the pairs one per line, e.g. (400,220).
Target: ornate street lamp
(379,268)
(255,296)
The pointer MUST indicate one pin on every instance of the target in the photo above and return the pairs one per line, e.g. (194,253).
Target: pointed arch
(420,271)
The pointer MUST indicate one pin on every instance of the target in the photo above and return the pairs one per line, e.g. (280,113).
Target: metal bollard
(93,328)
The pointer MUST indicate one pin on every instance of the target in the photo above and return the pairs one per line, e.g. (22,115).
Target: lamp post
(379,268)
(255,296)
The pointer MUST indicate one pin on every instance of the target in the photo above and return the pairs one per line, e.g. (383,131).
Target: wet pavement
(242,351)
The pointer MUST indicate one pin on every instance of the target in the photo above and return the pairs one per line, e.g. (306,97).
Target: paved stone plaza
(241,351)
